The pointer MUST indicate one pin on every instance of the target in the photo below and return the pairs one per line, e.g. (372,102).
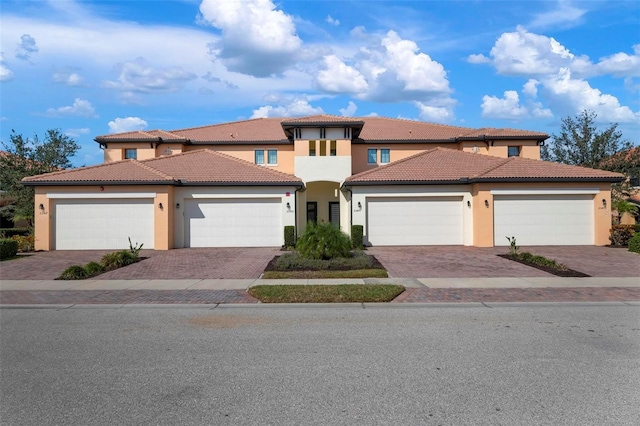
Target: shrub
(8,248)
(93,268)
(289,236)
(135,250)
(74,272)
(25,243)
(634,243)
(323,241)
(620,234)
(294,262)
(10,232)
(514,249)
(117,259)
(357,233)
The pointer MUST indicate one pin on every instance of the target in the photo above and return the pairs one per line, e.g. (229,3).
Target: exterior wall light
(468,203)
(160,206)
(604,202)
(486,203)
(41,206)
(177,205)
(359,205)
(288,207)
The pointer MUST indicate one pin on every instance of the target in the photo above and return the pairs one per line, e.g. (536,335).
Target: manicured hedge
(10,232)
(289,236)
(8,248)
(634,243)
(357,233)
(620,234)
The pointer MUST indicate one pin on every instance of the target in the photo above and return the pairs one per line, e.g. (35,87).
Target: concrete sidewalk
(243,284)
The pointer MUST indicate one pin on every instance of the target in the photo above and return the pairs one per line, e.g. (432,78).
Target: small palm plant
(514,249)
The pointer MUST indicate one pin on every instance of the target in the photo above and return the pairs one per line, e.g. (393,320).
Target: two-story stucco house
(239,183)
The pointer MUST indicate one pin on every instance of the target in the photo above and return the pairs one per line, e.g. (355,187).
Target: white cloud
(338,77)
(574,95)
(435,114)
(138,77)
(296,108)
(621,64)
(5,73)
(530,88)
(478,59)
(26,47)
(511,107)
(80,108)
(564,14)
(387,69)
(127,124)
(350,110)
(68,77)
(74,133)
(257,39)
(332,20)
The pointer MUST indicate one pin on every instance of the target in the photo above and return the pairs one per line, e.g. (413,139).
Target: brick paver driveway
(471,262)
(191,263)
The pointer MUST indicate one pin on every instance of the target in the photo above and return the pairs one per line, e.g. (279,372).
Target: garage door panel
(102,224)
(414,221)
(544,219)
(233,223)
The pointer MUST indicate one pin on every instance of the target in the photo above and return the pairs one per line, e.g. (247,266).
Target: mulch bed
(272,266)
(558,272)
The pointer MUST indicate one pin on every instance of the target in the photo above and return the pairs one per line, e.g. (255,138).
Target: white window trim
(263,159)
(267,163)
(381,149)
(372,149)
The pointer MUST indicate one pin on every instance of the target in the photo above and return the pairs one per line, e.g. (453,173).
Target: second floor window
(372,156)
(312,148)
(131,153)
(333,149)
(385,156)
(259,156)
(272,156)
(513,151)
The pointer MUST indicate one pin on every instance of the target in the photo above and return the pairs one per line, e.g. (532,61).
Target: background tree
(30,157)
(580,143)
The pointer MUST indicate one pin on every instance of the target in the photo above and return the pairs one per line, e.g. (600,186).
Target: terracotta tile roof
(207,166)
(449,165)
(195,167)
(117,172)
(321,119)
(272,130)
(262,130)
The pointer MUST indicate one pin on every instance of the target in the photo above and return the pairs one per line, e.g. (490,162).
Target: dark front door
(334,213)
(312,211)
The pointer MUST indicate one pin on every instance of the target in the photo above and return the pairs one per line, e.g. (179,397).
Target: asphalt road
(406,365)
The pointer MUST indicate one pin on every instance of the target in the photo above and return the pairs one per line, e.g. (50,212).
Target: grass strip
(343,293)
(355,273)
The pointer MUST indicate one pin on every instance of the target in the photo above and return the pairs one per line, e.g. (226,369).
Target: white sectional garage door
(102,223)
(544,219)
(255,222)
(414,221)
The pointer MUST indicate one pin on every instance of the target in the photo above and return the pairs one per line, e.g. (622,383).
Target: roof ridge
(95,166)
(393,163)
(408,120)
(151,169)
(500,163)
(241,161)
(221,124)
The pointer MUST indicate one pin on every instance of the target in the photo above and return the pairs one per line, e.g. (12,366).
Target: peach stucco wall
(483,216)
(396,152)
(43,220)
(528,149)
(247,153)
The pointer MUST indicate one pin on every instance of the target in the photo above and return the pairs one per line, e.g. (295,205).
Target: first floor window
(513,151)
(372,156)
(385,156)
(272,156)
(130,153)
(259,156)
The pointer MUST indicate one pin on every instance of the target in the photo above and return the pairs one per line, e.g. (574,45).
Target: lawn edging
(322,293)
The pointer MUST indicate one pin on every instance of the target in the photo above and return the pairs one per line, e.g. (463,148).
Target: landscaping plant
(135,250)
(8,248)
(93,268)
(634,243)
(118,259)
(357,232)
(74,272)
(514,249)
(323,241)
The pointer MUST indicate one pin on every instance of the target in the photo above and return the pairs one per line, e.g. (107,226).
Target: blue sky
(91,68)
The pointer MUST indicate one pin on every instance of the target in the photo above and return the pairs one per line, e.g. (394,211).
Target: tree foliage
(30,157)
(580,143)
